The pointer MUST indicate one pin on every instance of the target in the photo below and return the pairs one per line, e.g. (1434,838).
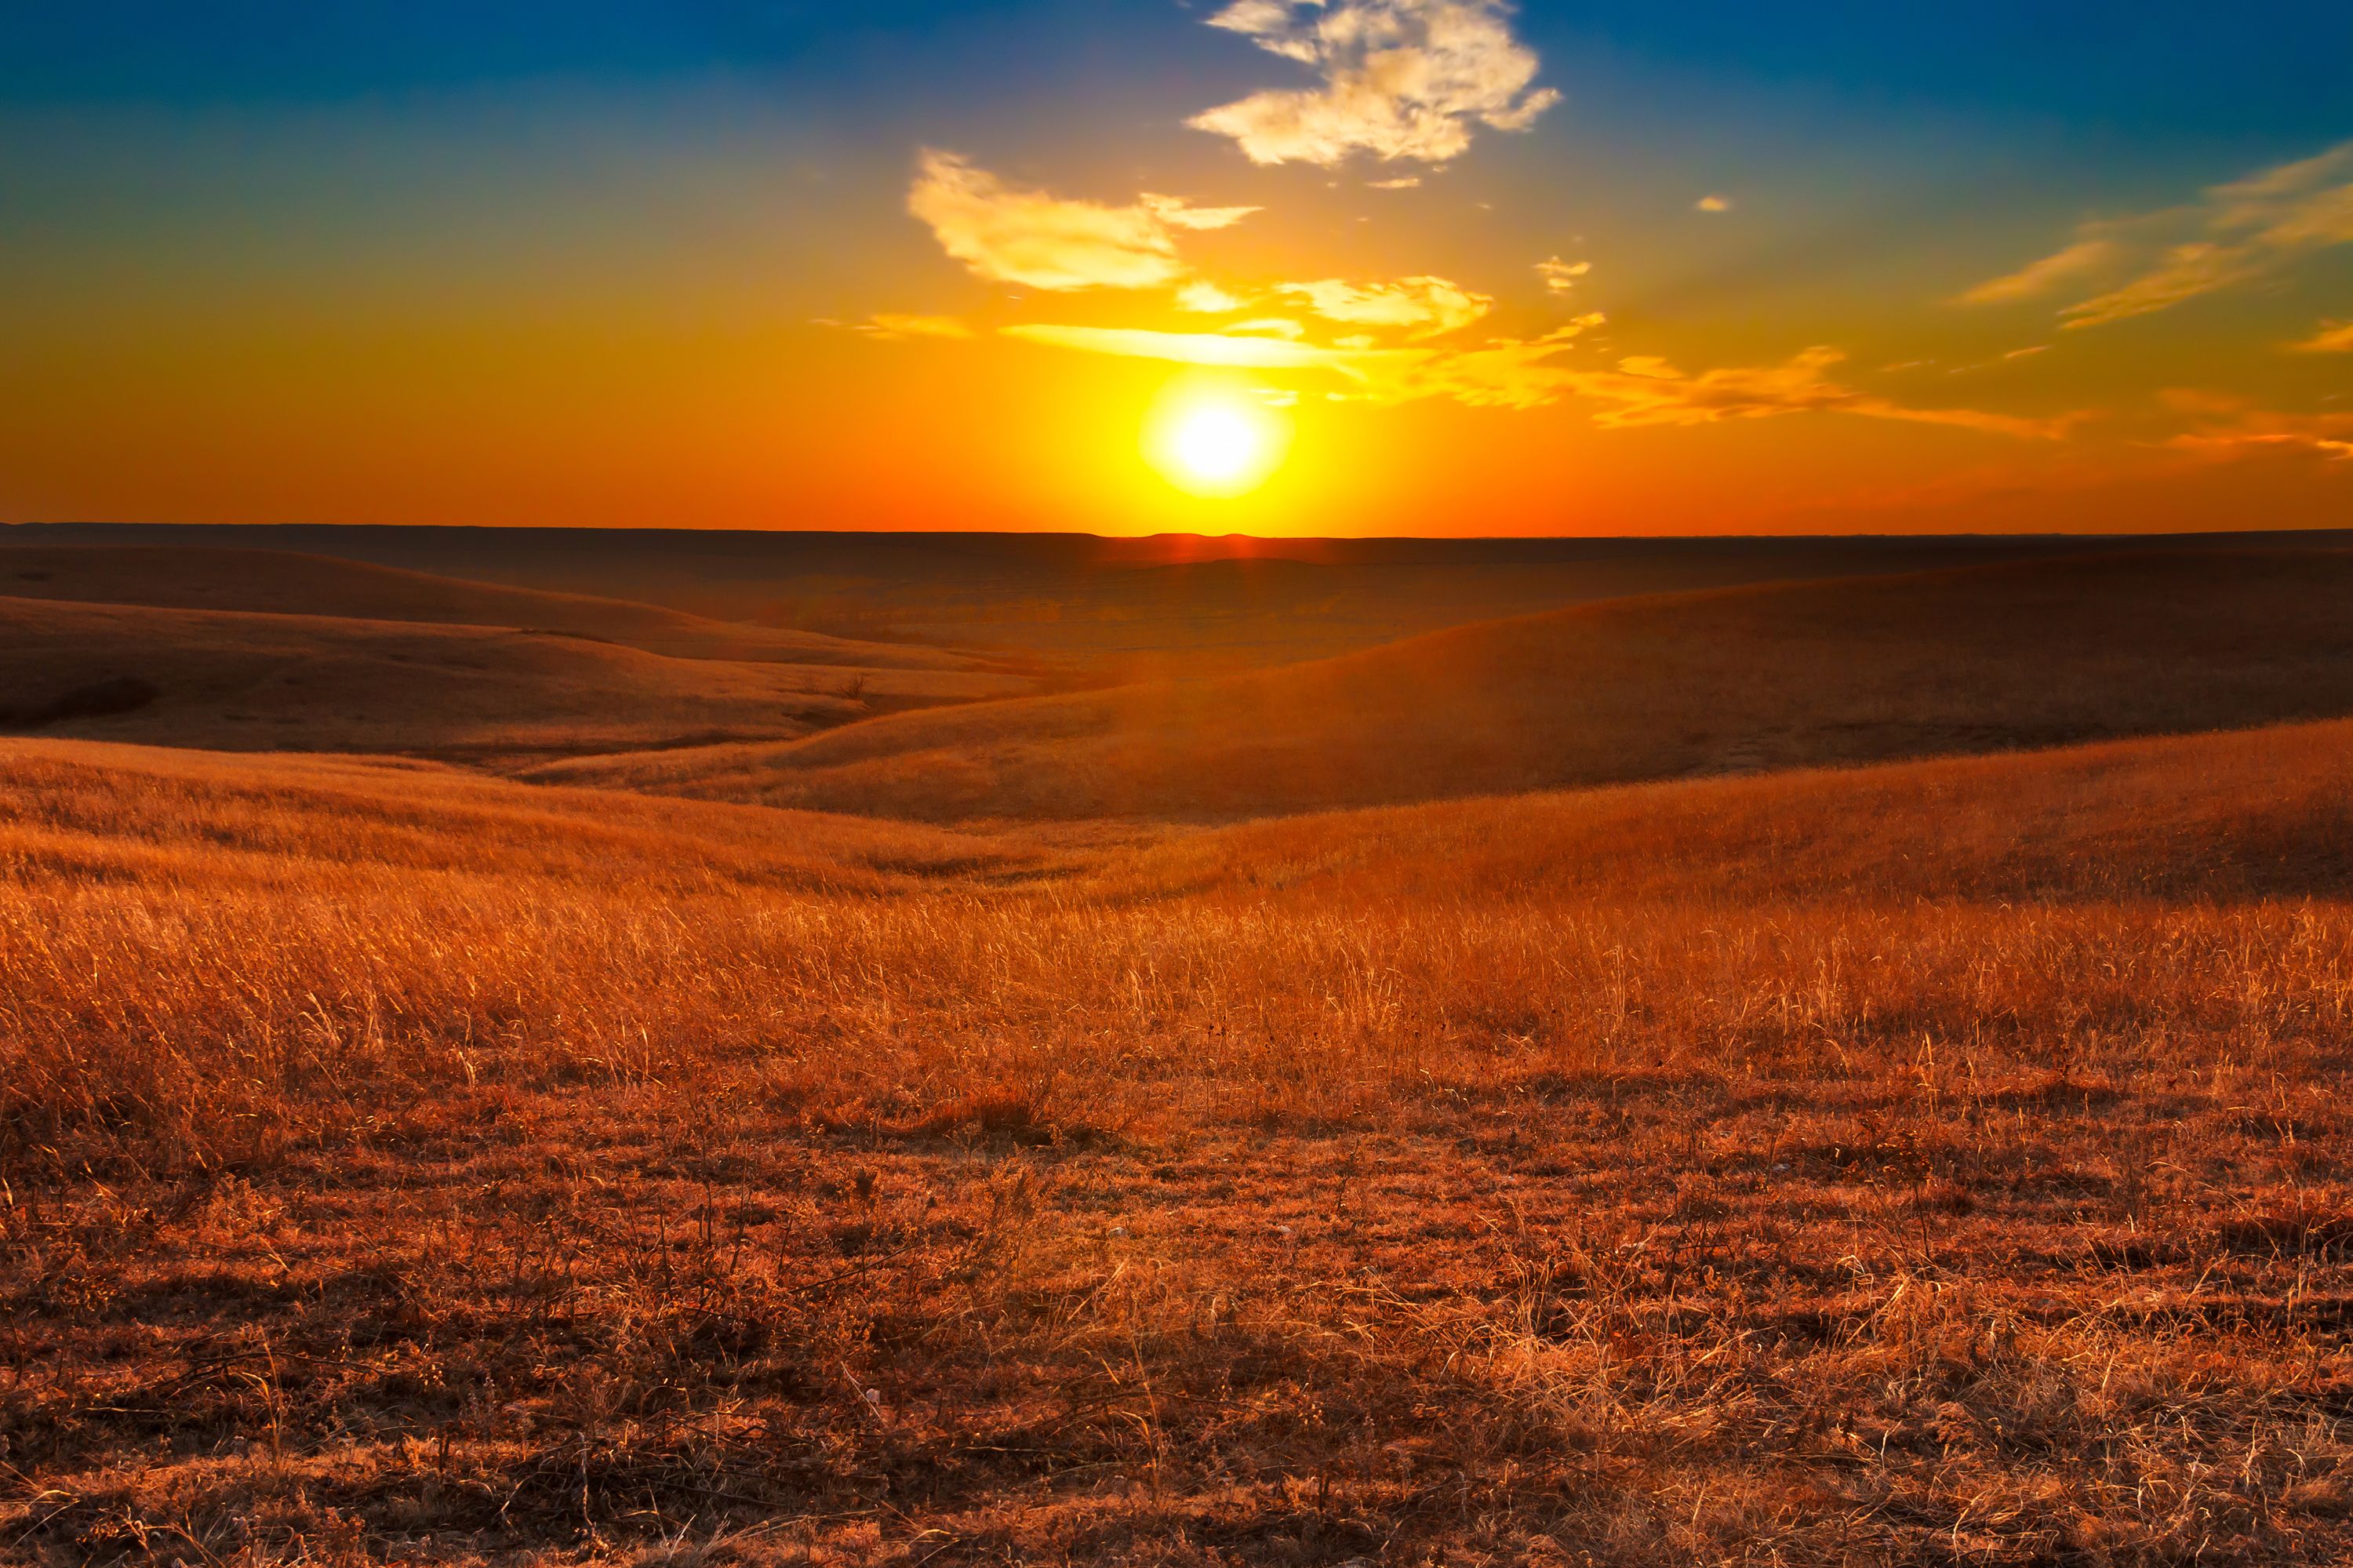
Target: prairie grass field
(1941,1162)
(1243,784)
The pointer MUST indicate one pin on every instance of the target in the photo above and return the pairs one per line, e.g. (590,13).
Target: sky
(1457,267)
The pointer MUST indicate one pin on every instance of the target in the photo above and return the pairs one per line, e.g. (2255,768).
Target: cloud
(1401,79)
(1205,298)
(1431,307)
(1009,235)
(2334,337)
(1648,391)
(1410,182)
(1525,373)
(1561,276)
(1712,204)
(2045,276)
(1226,350)
(2233,233)
(2233,428)
(895,327)
(1180,214)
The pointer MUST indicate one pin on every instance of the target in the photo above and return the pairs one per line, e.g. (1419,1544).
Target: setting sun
(1215,437)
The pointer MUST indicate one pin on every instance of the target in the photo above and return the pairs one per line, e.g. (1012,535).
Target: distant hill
(245,682)
(1175,606)
(1977,659)
(283,582)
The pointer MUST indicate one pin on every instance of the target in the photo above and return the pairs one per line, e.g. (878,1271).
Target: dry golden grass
(2026,654)
(1943,1163)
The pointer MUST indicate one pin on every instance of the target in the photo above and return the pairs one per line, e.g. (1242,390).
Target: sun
(1215,437)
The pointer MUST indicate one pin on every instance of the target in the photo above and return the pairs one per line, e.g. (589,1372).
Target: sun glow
(1214,437)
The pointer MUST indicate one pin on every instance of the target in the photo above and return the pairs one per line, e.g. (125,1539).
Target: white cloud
(1410,182)
(2233,234)
(1401,79)
(1561,276)
(1429,306)
(1009,235)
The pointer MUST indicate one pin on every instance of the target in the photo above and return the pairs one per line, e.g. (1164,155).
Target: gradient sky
(1611,268)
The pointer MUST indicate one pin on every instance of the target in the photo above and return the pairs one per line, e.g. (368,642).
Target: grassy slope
(273,681)
(1939,1162)
(1850,671)
(286,583)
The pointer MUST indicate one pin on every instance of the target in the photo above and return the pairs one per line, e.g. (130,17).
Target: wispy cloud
(2047,275)
(2227,427)
(1648,391)
(1206,298)
(1527,373)
(891,326)
(1227,350)
(1561,276)
(2334,337)
(1009,235)
(2233,233)
(1427,307)
(1401,79)
(1408,182)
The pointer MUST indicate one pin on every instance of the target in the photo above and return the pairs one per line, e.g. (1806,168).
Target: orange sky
(1494,288)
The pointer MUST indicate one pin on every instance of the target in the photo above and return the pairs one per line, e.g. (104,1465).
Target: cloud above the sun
(1408,79)
(1398,79)
(1422,307)
(2231,235)
(1529,373)
(1008,234)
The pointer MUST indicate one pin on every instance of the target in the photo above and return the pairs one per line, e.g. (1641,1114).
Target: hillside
(1985,659)
(2236,815)
(1179,606)
(1942,1162)
(281,582)
(244,681)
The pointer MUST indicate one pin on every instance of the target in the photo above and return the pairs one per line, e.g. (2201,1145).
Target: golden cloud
(2334,337)
(894,327)
(2039,278)
(1561,276)
(1428,306)
(1401,79)
(1009,235)
(2232,428)
(1204,298)
(2233,234)
(1516,373)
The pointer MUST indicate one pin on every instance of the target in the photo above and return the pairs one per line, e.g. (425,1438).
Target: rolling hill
(1984,659)
(243,682)
(283,582)
(1860,1145)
